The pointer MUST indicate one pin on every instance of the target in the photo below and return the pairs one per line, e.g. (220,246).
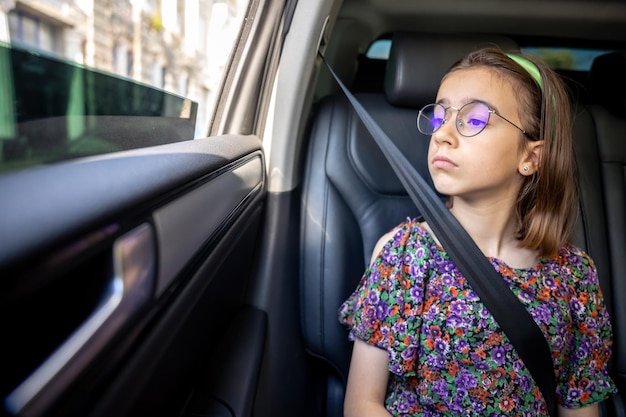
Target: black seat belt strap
(505,307)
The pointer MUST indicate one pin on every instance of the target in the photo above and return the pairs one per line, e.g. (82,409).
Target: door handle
(130,288)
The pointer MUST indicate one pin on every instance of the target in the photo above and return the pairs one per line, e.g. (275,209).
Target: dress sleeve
(384,309)
(585,380)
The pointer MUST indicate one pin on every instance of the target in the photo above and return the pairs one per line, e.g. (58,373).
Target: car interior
(203,277)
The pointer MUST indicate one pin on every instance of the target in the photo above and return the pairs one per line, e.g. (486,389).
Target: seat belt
(508,311)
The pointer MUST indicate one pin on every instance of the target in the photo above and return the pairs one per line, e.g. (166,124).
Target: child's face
(485,166)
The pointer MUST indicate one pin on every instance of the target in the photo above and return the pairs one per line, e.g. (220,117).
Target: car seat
(608,109)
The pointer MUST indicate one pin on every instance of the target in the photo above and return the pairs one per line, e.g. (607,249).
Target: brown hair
(547,201)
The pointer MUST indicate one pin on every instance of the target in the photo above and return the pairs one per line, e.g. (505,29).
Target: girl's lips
(443,162)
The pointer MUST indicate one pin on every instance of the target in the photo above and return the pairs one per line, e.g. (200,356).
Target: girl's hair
(547,201)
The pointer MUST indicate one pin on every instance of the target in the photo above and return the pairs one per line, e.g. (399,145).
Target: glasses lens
(472,118)
(430,118)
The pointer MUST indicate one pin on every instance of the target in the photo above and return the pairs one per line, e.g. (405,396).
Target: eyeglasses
(471,119)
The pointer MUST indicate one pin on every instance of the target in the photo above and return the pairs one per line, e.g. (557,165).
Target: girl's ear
(531,158)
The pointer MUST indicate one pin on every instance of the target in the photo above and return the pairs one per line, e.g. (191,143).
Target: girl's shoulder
(410,233)
(571,256)
(573,265)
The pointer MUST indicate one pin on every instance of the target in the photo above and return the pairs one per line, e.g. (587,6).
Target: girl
(501,149)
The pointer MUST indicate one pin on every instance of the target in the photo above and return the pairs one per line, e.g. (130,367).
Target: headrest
(417,63)
(607,83)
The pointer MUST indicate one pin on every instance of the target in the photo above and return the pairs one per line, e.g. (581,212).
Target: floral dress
(447,355)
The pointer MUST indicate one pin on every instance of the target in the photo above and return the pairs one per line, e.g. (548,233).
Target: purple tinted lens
(473,118)
(430,118)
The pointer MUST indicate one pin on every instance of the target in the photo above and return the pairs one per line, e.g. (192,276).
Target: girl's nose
(447,132)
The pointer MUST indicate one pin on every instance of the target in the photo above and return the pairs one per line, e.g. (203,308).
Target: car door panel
(122,271)
(230,378)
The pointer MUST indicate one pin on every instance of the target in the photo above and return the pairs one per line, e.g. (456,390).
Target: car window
(379,49)
(573,59)
(576,59)
(130,74)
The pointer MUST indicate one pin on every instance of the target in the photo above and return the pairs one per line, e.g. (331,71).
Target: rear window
(379,49)
(570,59)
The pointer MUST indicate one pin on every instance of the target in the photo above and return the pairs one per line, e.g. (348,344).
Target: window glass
(575,59)
(566,58)
(93,77)
(379,49)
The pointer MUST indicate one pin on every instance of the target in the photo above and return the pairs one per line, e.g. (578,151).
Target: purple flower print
(498,355)
(526,296)
(373,297)
(441,361)
(575,260)
(582,351)
(604,384)
(477,408)
(432,362)
(395,368)
(458,371)
(460,345)
(525,383)
(592,324)
(590,277)
(369,312)
(470,296)
(382,311)
(408,353)
(384,331)
(402,407)
(417,294)
(466,380)
(541,314)
(415,270)
(481,365)
(549,282)
(460,307)
(447,266)
(389,257)
(455,321)
(399,327)
(374,277)
(562,328)
(440,387)
(409,398)
(447,280)
(573,395)
(441,346)
(456,406)
(577,307)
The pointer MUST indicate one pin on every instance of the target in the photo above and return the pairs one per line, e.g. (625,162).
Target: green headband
(529,67)
(532,69)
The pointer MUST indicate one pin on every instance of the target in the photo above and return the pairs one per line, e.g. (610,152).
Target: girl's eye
(475,122)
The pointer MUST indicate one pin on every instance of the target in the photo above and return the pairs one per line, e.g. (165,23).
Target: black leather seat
(351,196)
(608,112)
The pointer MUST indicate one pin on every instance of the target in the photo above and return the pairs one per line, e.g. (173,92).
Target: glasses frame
(458,123)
